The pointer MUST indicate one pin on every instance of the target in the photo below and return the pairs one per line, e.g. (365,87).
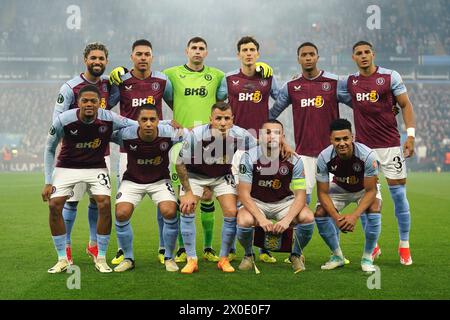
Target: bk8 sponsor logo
(371,96)
(274,184)
(89,145)
(316,102)
(137,102)
(255,97)
(202,92)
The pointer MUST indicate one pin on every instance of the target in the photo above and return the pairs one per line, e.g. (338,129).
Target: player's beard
(96,73)
(309,69)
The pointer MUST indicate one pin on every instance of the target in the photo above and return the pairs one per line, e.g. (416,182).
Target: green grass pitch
(27,252)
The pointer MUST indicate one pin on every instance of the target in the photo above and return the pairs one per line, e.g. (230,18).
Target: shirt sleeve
(274,89)
(167,131)
(397,85)
(322,170)
(165,122)
(282,102)
(343,96)
(55,134)
(114,96)
(371,165)
(117,137)
(298,181)
(246,169)
(222,91)
(247,140)
(120,122)
(63,101)
(168,92)
(188,148)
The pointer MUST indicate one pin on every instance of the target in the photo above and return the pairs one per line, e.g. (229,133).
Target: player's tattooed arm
(188,202)
(183,176)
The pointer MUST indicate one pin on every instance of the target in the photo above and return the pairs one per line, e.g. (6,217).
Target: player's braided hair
(95,46)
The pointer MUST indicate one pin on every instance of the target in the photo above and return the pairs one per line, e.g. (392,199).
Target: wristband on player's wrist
(411,132)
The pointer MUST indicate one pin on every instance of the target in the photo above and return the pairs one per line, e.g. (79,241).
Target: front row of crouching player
(268,178)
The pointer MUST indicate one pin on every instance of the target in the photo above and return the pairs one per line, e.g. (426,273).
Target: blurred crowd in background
(26,111)
(40,50)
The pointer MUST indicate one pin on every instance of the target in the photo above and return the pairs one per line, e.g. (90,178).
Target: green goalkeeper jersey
(194,93)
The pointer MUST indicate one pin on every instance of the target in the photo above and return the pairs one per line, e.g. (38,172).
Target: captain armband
(298,184)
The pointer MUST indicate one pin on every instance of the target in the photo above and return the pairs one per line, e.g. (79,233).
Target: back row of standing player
(314,95)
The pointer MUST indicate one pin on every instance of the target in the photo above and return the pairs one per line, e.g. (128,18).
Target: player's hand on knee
(264,70)
(116,73)
(280,226)
(347,223)
(266,225)
(46,192)
(188,202)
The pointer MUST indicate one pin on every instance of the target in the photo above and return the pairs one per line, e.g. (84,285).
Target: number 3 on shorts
(398,163)
(104,180)
(170,188)
(229,178)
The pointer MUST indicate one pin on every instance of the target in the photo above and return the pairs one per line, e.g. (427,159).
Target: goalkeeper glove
(116,73)
(264,70)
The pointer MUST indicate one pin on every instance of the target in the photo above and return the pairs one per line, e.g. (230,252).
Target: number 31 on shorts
(104,180)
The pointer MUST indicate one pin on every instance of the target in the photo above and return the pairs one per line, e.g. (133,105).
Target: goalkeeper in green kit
(196,87)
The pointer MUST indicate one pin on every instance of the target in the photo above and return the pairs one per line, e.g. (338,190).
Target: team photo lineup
(202,153)
(225,143)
